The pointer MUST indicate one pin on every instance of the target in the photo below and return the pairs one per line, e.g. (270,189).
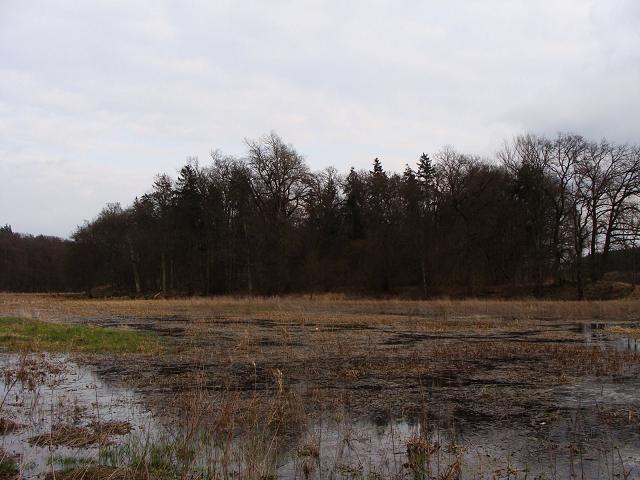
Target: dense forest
(32,264)
(545,211)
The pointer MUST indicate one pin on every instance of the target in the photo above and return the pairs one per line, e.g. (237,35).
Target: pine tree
(426,173)
(377,167)
(353,190)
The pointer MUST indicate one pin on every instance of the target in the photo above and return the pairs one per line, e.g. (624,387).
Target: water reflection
(367,449)
(40,392)
(596,333)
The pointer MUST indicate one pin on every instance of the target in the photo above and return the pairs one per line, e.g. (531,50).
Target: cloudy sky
(97,97)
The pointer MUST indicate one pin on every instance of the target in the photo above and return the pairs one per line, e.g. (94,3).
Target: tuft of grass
(20,334)
(97,472)
(633,332)
(69,462)
(8,466)
(70,436)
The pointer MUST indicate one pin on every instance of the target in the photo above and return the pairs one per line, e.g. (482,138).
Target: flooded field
(57,413)
(328,388)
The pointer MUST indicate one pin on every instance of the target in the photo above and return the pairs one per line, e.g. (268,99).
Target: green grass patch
(68,462)
(8,467)
(19,334)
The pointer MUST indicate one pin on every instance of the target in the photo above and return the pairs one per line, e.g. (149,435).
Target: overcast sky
(97,97)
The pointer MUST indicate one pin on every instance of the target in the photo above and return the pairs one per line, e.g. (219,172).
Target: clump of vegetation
(21,334)
(7,426)
(633,332)
(97,472)
(111,428)
(98,433)
(419,452)
(70,436)
(8,466)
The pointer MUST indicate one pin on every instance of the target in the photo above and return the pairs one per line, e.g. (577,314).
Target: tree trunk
(207,274)
(163,267)
(557,256)
(424,276)
(249,278)
(606,247)
(593,261)
(134,264)
(579,280)
(248,259)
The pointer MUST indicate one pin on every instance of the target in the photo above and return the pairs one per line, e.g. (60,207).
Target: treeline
(33,264)
(547,211)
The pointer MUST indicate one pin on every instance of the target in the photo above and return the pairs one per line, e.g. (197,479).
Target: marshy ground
(322,387)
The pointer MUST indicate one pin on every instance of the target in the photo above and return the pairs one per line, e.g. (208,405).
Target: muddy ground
(523,389)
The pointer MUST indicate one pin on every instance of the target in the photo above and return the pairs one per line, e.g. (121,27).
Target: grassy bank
(20,334)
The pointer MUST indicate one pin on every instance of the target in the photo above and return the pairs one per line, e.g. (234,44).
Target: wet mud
(406,397)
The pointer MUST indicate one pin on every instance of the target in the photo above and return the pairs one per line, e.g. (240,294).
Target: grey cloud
(96,97)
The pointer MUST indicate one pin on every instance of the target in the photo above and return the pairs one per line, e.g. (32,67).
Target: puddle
(371,449)
(39,392)
(596,333)
(612,391)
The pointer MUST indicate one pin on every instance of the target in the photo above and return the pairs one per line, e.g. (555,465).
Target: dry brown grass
(578,360)
(258,344)
(324,308)
(633,332)
(8,426)
(99,472)
(111,428)
(80,437)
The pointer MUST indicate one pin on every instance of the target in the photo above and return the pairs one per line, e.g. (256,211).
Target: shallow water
(587,429)
(55,390)
(370,449)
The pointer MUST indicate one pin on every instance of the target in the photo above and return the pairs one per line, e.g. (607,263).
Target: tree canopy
(546,211)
